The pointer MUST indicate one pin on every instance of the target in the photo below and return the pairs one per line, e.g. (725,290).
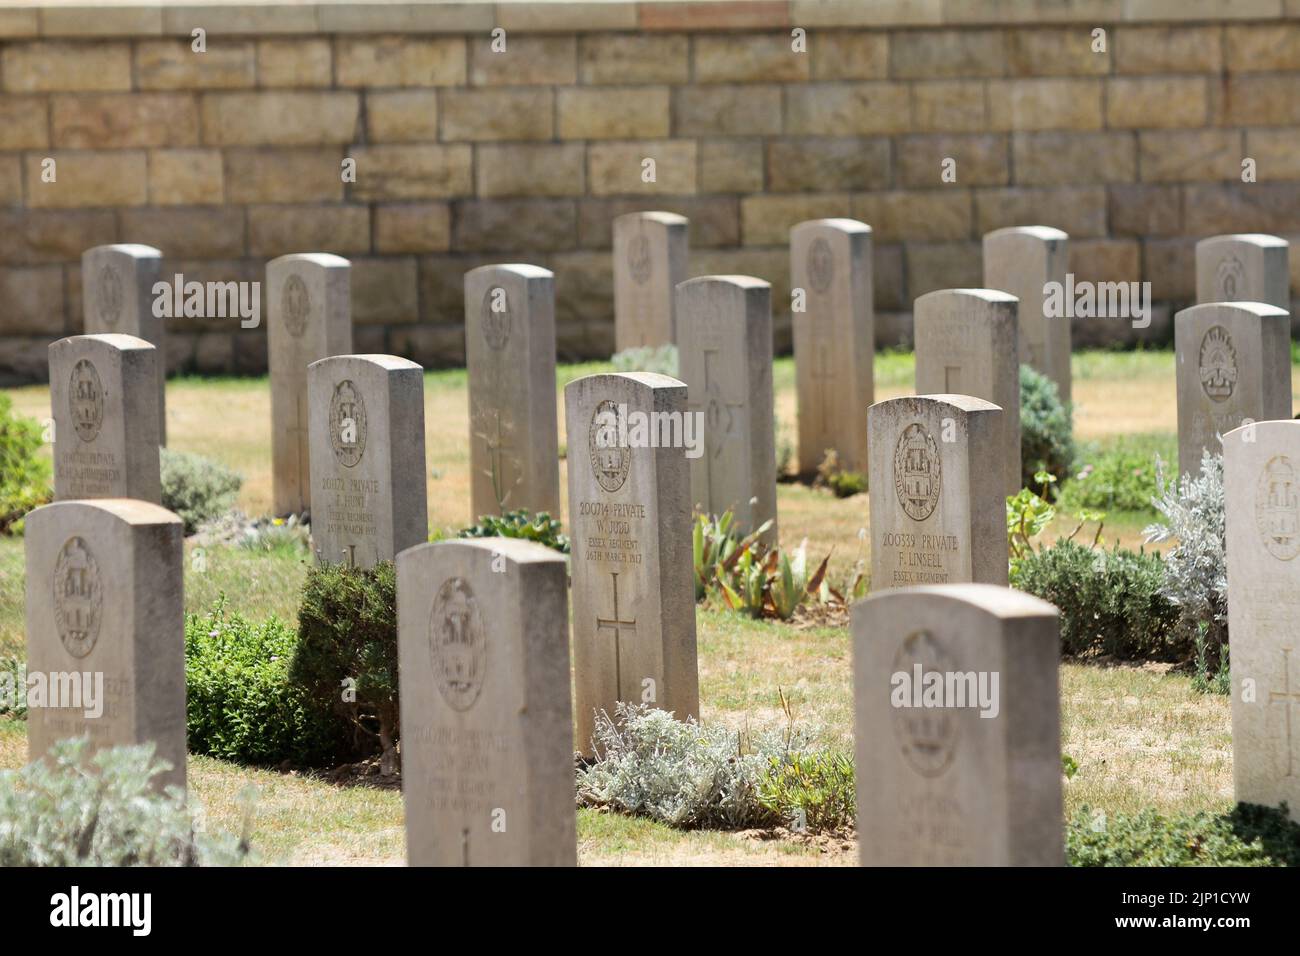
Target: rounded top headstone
(994,296)
(1043,233)
(1263,240)
(996,601)
(851,226)
(127,510)
(657,216)
(135,250)
(1255,309)
(521,269)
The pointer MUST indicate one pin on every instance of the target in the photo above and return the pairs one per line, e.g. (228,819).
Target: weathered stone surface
(651,251)
(630,520)
(1261,484)
(724,343)
(308,317)
(1244,268)
(938,512)
(1020,261)
(368,484)
(117,296)
(487,725)
(402,116)
(834,340)
(510,356)
(105,610)
(104,396)
(957,711)
(966,344)
(1233,364)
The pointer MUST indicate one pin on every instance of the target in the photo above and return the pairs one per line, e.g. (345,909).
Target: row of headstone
(308,298)
(1234,395)
(1233,349)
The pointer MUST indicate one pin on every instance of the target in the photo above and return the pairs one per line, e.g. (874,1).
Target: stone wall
(227,158)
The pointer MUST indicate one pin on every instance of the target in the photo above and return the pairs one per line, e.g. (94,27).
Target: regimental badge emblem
(927,736)
(295,305)
(639,262)
(86,400)
(110,297)
(78,598)
(611,457)
(347,423)
(917,472)
(1218,364)
(821,265)
(1277,508)
(457,644)
(496,318)
(1230,279)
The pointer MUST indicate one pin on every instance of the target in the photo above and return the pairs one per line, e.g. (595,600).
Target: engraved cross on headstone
(715,407)
(297,429)
(823,375)
(617,625)
(1288,698)
(496,445)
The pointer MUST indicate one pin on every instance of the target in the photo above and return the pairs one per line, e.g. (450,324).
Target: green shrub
(1207,678)
(13,686)
(240,702)
(1120,479)
(1111,602)
(680,773)
(347,651)
(195,488)
(71,809)
(842,483)
(541,528)
(811,790)
(1046,433)
(647,358)
(1247,836)
(25,474)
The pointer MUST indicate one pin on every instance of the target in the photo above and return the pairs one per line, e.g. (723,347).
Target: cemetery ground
(1139,734)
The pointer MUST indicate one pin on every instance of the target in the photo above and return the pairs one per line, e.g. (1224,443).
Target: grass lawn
(1140,735)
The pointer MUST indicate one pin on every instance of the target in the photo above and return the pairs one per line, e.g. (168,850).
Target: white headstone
(1021,261)
(1246,267)
(966,345)
(308,305)
(834,340)
(724,338)
(1233,364)
(510,356)
(630,533)
(104,396)
(938,513)
(106,626)
(369,498)
(651,250)
(487,726)
(957,729)
(1261,484)
(117,283)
